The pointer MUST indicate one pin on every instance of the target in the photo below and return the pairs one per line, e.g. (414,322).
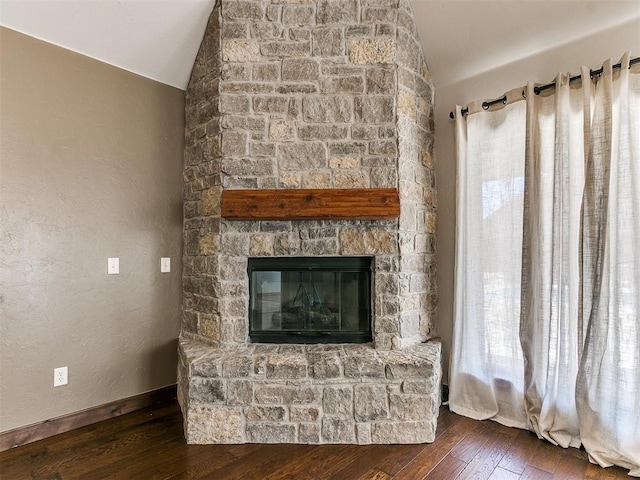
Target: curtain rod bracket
(464,111)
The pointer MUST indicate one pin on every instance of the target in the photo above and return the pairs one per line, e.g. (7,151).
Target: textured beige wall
(542,68)
(90,167)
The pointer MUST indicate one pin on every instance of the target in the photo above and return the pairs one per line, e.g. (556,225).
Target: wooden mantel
(311,204)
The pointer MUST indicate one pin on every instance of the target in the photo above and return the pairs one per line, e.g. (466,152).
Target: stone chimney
(309,94)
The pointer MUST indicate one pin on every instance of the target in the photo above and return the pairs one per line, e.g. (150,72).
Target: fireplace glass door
(310,300)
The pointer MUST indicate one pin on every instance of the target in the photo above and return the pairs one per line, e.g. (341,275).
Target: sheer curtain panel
(486,358)
(551,247)
(547,289)
(608,390)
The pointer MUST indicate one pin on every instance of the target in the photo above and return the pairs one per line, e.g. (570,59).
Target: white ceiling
(462,39)
(159,38)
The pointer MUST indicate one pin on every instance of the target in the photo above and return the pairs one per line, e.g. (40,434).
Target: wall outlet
(165,265)
(60,376)
(113,266)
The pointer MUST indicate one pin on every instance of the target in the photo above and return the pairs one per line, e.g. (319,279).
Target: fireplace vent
(310,299)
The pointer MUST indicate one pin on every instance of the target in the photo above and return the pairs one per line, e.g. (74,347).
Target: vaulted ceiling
(159,38)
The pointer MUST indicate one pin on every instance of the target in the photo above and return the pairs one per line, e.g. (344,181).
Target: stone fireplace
(318,95)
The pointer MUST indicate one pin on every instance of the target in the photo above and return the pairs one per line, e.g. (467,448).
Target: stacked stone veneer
(308,94)
(310,394)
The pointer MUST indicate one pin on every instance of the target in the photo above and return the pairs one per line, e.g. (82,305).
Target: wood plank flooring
(148,444)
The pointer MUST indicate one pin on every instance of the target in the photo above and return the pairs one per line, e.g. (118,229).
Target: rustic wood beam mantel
(311,204)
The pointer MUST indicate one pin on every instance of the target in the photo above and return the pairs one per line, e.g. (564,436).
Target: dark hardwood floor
(148,444)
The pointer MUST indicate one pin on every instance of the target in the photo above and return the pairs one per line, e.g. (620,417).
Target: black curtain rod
(542,88)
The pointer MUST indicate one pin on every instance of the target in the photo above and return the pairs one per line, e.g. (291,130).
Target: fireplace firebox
(310,299)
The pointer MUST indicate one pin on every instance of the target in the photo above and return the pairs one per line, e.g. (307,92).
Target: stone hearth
(309,94)
(266,393)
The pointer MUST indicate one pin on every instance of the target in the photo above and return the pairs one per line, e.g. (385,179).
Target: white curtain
(608,390)
(549,323)
(486,358)
(547,293)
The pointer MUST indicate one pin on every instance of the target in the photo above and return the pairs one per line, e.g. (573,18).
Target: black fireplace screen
(310,300)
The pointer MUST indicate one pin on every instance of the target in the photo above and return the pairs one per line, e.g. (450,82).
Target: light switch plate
(165,265)
(113,266)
